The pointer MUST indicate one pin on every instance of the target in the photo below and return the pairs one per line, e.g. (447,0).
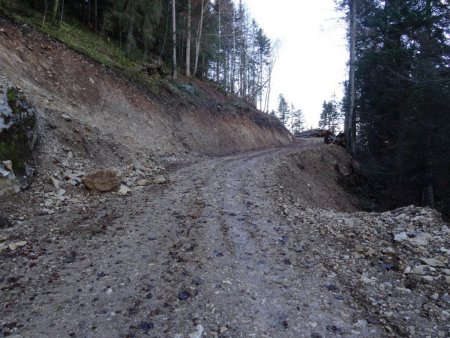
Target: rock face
(103,180)
(17,128)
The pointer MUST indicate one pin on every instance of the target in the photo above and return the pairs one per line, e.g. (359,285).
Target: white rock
(56,183)
(444,250)
(143,182)
(365,279)
(198,333)
(421,239)
(428,279)
(124,190)
(14,246)
(66,117)
(8,165)
(433,262)
(420,269)
(401,237)
(60,196)
(159,179)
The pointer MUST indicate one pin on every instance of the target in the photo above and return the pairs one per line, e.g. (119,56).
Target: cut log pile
(312,133)
(329,137)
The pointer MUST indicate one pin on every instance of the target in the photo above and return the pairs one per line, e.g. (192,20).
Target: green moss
(14,142)
(13,96)
(11,151)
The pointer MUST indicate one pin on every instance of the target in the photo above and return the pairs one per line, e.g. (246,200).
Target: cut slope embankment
(172,118)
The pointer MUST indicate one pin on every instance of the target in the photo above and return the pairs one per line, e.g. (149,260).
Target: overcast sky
(312,61)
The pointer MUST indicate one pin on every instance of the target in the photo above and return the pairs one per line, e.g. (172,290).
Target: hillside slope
(172,118)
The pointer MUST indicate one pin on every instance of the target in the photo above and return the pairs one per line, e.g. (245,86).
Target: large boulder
(103,180)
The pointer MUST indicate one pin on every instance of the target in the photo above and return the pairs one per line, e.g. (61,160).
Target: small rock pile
(395,264)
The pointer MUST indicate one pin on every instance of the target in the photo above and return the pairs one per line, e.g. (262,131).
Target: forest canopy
(397,117)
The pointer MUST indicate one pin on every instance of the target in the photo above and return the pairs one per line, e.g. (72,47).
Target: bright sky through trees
(312,59)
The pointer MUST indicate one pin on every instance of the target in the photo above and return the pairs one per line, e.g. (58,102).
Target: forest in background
(397,102)
(216,40)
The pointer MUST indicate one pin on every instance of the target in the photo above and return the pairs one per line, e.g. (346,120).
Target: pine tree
(298,121)
(401,84)
(329,117)
(283,109)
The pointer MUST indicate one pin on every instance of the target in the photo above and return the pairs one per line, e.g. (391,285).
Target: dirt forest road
(208,256)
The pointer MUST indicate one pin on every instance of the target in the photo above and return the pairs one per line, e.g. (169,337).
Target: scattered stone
(66,117)
(61,195)
(103,180)
(8,186)
(159,179)
(56,183)
(184,295)
(143,182)
(146,326)
(433,262)
(8,165)
(124,190)
(421,239)
(14,246)
(401,237)
(197,281)
(420,270)
(427,279)
(198,333)
(332,287)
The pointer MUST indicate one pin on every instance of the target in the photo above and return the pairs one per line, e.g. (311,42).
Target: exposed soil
(260,243)
(166,121)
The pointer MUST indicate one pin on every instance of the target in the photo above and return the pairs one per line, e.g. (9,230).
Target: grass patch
(79,38)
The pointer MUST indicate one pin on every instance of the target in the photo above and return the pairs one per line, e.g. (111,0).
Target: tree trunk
(233,57)
(55,9)
(428,188)
(199,37)
(95,16)
(62,12)
(218,44)
(188,42)
(174,40)
(45,13)
(350,121)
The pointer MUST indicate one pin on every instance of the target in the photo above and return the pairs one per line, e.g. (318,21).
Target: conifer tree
(283,109)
